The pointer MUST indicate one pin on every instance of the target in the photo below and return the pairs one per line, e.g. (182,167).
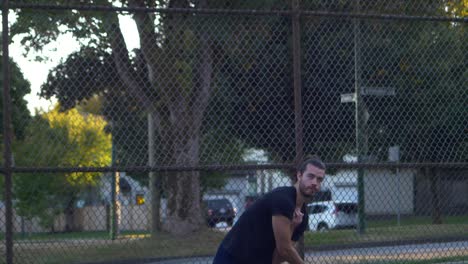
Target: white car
(326,215)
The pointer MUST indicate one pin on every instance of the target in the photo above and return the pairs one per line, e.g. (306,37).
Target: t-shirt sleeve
(280,205)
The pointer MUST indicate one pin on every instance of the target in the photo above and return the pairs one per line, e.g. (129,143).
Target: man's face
(310,180)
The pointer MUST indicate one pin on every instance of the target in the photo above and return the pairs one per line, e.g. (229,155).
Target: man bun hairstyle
(313,160)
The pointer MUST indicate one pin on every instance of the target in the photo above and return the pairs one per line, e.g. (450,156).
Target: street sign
(378,91)
(348,98)
(375,91)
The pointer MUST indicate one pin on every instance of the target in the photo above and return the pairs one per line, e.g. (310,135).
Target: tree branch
(206,74)
(145,25)
(124,68)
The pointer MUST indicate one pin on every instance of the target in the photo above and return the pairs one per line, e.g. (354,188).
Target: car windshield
(218,203)
(322,196)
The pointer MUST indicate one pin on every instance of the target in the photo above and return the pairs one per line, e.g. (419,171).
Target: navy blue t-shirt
(251,239)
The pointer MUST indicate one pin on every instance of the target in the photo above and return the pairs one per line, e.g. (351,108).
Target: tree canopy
(19,87)
(59,139)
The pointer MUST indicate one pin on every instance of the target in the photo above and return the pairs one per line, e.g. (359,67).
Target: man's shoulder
(286,194)
(285,190)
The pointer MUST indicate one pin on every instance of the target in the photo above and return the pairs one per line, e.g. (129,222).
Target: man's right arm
(284,245)
(276,258)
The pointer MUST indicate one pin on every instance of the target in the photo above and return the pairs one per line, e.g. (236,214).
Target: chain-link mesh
(170,123)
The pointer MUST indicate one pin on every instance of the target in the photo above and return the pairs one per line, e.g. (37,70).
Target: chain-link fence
(173,117)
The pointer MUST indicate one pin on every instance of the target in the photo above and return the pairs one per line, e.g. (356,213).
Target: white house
(130,189)
(386,191)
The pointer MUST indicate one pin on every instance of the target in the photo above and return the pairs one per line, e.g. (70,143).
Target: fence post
(435,198)
(154,179)
(361,137)
(115,189)
(296,50)
(7,137)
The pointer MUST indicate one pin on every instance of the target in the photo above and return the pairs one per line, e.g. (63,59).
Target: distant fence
(89,218)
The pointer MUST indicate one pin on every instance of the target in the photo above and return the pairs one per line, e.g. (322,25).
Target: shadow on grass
(163,245)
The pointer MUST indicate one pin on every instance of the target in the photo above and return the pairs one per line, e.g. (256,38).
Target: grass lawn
(75,249)
(387,230)
(86,247)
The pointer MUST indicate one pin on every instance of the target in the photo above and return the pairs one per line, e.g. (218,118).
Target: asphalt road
(404,252)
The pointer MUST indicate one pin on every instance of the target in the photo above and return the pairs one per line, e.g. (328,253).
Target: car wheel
(322,227)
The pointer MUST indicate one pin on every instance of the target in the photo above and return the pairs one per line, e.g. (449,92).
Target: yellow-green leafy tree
(59,139)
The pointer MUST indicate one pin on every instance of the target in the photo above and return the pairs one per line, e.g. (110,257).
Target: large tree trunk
(181,143)
(179,112)
(182,131)
(184,210)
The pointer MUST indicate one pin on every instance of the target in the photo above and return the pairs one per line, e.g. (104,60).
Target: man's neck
(300,199)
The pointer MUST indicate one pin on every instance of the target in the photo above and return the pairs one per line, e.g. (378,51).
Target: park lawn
(384,234)
(417,220)
(411,228)
(88,247)
(72,235)
(76,250)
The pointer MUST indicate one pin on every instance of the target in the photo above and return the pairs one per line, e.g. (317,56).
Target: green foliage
(219,148)
(64,139)
(39,28)
(84,75)
(421,60)
(255,85)
(20,115)
(19,87)
(425,118)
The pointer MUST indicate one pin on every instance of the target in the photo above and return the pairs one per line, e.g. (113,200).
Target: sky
(36,72)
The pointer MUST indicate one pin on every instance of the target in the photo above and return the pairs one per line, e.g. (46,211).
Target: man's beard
(302,189)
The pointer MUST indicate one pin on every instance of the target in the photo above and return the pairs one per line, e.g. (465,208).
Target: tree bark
(183,190)
(178,115)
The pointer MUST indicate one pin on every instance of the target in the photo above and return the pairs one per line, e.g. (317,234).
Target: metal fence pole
(360,124)
(115,207)
(154,179)
(296,50)
(7,137)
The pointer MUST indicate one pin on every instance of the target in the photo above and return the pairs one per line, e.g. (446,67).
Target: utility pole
(361,117)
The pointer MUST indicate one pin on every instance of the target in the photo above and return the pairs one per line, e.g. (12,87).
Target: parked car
(219,210)
(326,215)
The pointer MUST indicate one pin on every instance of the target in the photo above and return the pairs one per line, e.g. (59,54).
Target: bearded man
(267,231)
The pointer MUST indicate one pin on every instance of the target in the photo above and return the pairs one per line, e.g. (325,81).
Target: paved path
(405,252)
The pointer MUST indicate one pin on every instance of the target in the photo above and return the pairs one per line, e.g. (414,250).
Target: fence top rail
(288,166)
(247,12)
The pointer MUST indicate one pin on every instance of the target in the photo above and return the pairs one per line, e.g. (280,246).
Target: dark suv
(219,210)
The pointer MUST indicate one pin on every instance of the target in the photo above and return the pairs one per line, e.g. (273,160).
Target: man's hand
(297,218)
